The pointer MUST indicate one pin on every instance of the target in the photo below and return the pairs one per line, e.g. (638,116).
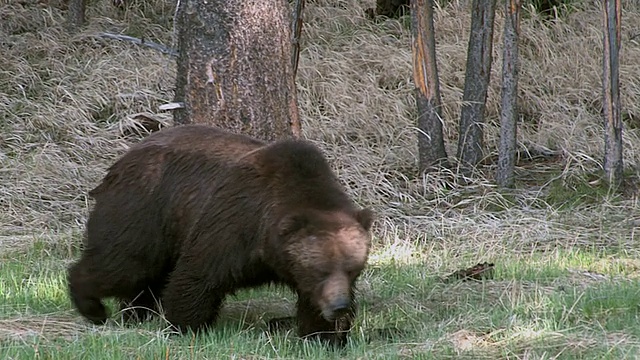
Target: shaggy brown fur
(193,213)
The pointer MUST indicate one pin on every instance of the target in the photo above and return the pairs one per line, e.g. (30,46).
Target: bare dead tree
(234,67)
(477,76)
(297,32)
(425,76)
(613,162)
(509,108)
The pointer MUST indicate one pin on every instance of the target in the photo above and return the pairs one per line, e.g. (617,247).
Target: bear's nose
(339,305)
(335,309)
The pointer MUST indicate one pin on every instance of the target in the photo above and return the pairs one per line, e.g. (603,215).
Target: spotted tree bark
(509,109)
(613,162)
(431,148)
(234,67)
(477,76)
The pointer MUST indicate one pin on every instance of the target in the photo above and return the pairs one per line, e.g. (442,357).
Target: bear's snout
(336,299)
(336,308)
(340,305)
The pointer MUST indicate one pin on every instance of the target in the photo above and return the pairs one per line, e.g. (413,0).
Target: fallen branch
(478,272)
(151,44)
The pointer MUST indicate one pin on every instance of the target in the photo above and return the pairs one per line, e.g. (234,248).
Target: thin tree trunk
(425,76)
(234,67)
(297,31)
(75,14)
(477,76)
(613,162)
(509,109)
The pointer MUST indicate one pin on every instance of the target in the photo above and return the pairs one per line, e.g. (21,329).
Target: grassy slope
(566,251)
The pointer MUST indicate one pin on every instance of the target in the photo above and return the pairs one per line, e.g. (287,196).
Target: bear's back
(145,163)
(203,140)
(294,172)
(299,176)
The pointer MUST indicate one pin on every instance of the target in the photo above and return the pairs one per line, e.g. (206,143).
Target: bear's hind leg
(84,294)
(187,303)
(91,280)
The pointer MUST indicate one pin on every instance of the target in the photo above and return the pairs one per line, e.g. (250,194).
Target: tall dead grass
(63,99)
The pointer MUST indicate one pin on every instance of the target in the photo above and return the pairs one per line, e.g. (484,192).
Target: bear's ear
(365,218)
(292,223)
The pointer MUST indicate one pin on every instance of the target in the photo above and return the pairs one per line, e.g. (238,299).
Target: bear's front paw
(92,309)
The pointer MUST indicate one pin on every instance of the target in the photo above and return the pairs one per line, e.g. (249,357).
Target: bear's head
(325,253)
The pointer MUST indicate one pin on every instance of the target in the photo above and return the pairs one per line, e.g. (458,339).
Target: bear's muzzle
(336,308)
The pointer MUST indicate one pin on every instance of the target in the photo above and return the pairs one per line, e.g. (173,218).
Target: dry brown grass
(64,99)
(46,327)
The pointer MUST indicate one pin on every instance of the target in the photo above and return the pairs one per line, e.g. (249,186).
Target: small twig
(296,30)
(633,37)
(171,106)
(151,44)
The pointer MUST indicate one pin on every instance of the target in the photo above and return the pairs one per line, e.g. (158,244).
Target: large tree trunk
(234,67)
(425,76)
(612,125)
(509,110)
(479,57)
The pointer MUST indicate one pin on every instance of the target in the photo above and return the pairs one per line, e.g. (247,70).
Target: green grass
(565,304)
(571,192)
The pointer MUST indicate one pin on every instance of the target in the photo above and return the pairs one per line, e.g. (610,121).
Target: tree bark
(234,67)
(425,76)
(613,162)
(75,14)
(477,76)
(509,108)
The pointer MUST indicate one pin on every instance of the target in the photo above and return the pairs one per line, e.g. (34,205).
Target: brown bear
(193,213)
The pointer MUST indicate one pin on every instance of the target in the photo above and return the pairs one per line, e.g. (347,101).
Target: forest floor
(564,248)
